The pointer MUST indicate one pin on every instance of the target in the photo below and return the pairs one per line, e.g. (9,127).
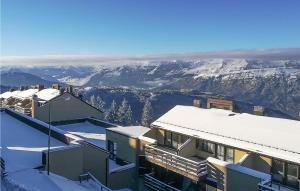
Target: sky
(143,27)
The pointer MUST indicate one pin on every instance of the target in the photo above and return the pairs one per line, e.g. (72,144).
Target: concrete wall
(95,161)
(189,149)
(126,146)
(237,181)
(79,159)
(232,177)
(238,155)
(257,162)
(67,162)
(123,179)
(63,108)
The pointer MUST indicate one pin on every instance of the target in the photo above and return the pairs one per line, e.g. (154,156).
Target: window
(112,149)
(278,170)
(171,139)
(220,152)
(208,147)
(229,155)
(168,138)
(292,175)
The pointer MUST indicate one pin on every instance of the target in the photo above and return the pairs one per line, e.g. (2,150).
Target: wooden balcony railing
(184,166)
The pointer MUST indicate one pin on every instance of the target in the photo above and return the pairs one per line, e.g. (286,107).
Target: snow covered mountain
(274,83)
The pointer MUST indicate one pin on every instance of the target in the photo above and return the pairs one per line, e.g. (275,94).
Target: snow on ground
(22,145)
(87,131)
(35,180)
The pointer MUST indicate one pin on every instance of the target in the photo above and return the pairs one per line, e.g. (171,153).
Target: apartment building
(78,159)
(57,103)
(216,149)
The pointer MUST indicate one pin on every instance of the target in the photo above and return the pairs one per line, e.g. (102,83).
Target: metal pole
(49,137)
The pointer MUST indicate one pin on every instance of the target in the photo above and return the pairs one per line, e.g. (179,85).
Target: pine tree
(128,116)
(100,103)
(111,115)
(122,112)
(93,101)
(147,114)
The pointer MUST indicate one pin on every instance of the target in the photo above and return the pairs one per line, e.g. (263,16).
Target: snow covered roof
(132,131)
(273,137)
(26,94)
(9,94)
(47,94)
(22,145)
(92,133)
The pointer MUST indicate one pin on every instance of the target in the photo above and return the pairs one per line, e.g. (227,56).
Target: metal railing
(2,163)
(157,185)
(269,185)
(184,166)
(87,176)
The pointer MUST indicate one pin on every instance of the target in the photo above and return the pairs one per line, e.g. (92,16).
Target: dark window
(112,149)
(220,152)
(168,138)
(229,155)
(278,170)
(171,139)
(292,175)
(175,140)
(208,147)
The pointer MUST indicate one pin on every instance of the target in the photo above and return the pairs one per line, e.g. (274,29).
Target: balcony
(155,184)
(269,185)
(171,161)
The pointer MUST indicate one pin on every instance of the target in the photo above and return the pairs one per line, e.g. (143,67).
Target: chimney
(39,87)
(56,86)
(22,88)
(220,104)
(258,110)
(70,89)
(11,89)
(196,103)
(34,105)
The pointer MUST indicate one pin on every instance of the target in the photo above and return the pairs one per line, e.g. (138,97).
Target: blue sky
(138,27)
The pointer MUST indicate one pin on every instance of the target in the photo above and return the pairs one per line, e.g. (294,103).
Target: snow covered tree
(124,113)
(147,114)
(112,114)
(93,101)
(100,103)
(128,116)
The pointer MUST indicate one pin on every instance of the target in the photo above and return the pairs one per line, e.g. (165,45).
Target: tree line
(122,114)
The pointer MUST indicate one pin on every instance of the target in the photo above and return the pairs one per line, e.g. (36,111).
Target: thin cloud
(90,60)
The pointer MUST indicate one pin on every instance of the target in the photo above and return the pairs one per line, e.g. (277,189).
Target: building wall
(257,162)
(95,161)
(123,179)
(237,181)
(189,149)
(63,108)
(238,155)
(67,162)
(126,146)
(77,160)
(229,179)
